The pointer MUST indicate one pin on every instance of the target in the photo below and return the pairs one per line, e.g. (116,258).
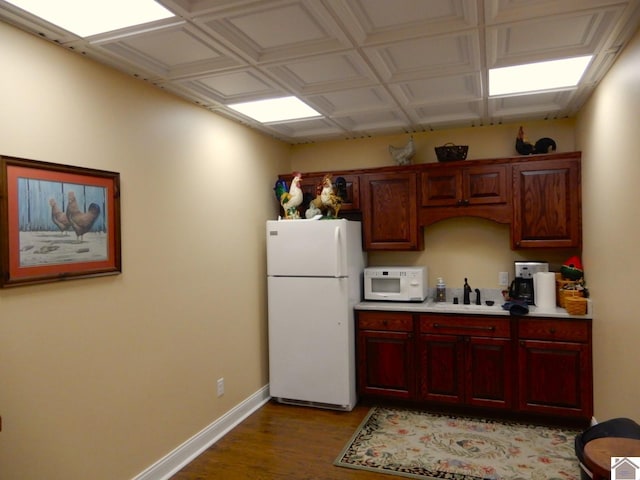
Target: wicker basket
(564,287)
(566,294)
(575,305)
(450,152)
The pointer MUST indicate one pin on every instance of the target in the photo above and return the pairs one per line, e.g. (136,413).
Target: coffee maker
(522,285)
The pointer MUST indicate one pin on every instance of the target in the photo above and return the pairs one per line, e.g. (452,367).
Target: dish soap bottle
(441,291)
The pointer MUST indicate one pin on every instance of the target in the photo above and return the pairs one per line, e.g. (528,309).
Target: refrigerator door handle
(336,239)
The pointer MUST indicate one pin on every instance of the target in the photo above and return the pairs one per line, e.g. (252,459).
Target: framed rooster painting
(57,222)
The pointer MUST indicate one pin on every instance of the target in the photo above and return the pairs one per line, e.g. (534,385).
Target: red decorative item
(572,269)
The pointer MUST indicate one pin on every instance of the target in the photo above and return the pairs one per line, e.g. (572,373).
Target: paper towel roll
(544,289)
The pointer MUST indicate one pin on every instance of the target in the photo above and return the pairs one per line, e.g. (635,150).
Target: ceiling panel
(370,67)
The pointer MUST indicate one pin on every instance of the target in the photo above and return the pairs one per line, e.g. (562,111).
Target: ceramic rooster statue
(403,155)
(328,199)
(290,200)
(331,201)
(523,147)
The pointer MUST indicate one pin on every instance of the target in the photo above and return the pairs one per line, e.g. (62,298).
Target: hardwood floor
(282,442)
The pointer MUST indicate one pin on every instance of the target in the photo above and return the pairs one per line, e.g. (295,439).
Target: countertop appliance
(398,284)
(314,280)
(522,285)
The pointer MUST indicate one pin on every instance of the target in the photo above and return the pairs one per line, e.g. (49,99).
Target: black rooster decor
(544,145)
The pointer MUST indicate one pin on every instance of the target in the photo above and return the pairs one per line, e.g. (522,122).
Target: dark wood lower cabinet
(535,365)
(385,355)
(465,360)
(489,373)
(555,367)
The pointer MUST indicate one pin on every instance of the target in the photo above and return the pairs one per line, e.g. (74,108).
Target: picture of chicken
(403,155)
(290,200)
(81,222)
(58,217)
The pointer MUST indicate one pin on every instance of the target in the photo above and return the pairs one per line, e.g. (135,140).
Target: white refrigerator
(314,280)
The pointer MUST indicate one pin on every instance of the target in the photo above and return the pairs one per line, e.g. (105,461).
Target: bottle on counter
(441,291)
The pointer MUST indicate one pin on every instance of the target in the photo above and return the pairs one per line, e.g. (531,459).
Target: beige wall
(607,132)
(456,248)
(100,378)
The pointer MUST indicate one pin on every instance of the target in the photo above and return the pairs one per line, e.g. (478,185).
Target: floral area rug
(435,446)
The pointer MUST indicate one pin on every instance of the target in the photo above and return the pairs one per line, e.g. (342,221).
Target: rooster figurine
(524,147)
(328,199)
(290,200)
(403,155)
(331,201)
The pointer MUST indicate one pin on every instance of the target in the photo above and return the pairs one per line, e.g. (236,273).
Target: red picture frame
(57,222)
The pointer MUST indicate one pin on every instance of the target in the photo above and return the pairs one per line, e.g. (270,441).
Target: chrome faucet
(466,291)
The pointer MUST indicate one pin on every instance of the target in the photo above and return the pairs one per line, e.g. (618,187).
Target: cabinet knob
(552,330)
(385,323)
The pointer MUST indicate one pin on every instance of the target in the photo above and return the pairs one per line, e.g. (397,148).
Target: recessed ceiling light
(276,109)
(85,18)
(535,77)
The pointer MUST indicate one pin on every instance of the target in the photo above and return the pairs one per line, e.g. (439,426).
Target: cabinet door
(546,209)
(390,212)
(485,185)
(456,186)
(441,368)
(489,372)
(385,364)
(441,187)
(555,378)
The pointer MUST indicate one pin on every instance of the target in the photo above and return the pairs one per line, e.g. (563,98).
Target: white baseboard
(167,466)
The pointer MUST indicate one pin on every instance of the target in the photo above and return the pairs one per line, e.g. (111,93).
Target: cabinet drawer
(399,322)
(466,325)
(566,330)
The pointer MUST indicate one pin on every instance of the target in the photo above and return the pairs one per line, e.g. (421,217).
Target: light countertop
(429,306)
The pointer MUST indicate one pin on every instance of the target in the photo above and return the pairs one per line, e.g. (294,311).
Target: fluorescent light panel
(86,17)
(536,77)
(276,109)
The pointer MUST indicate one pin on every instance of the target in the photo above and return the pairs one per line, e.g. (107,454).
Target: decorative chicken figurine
(403,155)
(290,200)
(524,147)
(329,198)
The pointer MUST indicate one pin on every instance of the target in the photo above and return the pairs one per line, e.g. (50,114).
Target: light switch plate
(503,279)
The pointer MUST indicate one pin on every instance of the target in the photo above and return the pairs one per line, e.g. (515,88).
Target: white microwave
(397,284)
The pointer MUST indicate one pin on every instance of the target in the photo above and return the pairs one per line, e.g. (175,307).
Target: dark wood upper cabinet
(479,185)
(390,211)
(481,190)
(539,196)
(547,204)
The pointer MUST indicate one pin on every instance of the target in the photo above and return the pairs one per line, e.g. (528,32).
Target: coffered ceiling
(371,67)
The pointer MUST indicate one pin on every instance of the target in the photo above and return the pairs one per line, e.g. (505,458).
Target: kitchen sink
(451,307)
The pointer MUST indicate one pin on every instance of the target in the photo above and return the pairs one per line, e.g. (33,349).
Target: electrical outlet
(220,387)
(503,279)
